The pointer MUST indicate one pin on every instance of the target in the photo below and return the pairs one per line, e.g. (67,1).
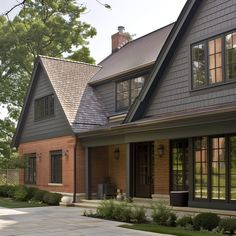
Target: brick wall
(162,168)
(42,149)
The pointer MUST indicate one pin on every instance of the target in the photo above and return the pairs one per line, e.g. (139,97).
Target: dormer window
(127,91)
(44,107)
(210,57)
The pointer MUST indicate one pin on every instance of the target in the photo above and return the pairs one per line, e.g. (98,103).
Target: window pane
(30,169)
(230,44)
(198,65)
(233,167)
(56,167)
(44,107)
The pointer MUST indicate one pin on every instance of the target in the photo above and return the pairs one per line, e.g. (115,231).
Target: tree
(42,27)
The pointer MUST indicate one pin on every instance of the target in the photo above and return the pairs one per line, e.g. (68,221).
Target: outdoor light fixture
(39,156)
(160,150)
(66,153)
(117,153)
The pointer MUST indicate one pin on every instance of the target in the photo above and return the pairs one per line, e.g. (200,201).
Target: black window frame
(30,175)
(224,54)
(129,80)
(46,111)
(56,170)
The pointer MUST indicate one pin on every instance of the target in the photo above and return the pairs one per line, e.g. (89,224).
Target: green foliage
(7,190)
(38,195)
(162,214)
(52,199)
(21,193)
(51,28)
(207,221)
(120,211)
(185,221)
(228,225)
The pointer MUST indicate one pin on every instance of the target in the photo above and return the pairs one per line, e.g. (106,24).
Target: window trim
(205,42)
(48,116)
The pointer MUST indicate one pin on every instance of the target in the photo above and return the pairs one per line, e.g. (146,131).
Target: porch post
(88,172)
(128,193)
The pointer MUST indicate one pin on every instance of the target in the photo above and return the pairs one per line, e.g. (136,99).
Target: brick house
(156,116)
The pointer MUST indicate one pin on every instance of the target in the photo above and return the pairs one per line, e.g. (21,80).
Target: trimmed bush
(7,190)
(31,193)
(52,199)
(162,214)
(106,208)
(185,221)
(21,193)
(38,195)
(138,215)
(228,225)
(207,221)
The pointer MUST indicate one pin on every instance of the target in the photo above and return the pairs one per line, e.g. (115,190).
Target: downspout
(75,169)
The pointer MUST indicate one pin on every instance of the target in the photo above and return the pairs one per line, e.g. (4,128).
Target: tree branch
(17,5)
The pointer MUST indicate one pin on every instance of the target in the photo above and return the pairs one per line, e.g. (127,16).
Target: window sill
(54,184)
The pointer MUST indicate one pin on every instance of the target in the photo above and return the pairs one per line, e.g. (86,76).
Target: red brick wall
(80,169)
(42,149)
(161,168)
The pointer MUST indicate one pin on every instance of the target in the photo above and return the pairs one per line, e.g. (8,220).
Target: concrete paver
(58,221)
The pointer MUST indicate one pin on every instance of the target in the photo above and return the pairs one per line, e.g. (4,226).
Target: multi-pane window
(233,168)
(44,107)
(198,65)
(230,47)
(127,91)
(179,154)
(215,60)
(211,57)
(200,168)
(56,167)
(30,169)
(218,168)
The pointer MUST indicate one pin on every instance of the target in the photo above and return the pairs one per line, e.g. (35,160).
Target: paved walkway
(58,221)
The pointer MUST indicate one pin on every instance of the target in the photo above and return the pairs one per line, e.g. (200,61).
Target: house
(157,115)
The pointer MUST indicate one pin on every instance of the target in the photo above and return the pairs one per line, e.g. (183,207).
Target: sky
(139,17)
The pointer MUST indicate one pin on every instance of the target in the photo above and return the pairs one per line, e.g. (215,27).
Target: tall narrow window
(56,167)
(30,169)
(218,169)
(215,61)
(200,168)
(230,46)
(233,168)
(198,65)
(136,86)
(180,169)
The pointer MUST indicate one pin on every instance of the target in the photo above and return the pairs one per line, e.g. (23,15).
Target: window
(127,91)
(200,168)
(44,107)
(233,168)
(56,167)
(179,154)
(30,169)
(210,57)
(218,168)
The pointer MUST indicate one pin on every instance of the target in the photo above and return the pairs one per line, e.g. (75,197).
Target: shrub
(7,190)
(185,221)
(21,193)
(207,221)
(52,199)
(31,193)
(228,225)
(163,215)
(105,210)
(138,215)
(39,194)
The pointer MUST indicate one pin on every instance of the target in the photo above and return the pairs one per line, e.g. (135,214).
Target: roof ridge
(68,60)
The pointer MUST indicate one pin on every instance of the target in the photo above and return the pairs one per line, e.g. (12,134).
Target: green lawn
(10,203)
(167,230)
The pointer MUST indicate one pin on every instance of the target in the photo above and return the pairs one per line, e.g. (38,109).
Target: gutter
(75,169)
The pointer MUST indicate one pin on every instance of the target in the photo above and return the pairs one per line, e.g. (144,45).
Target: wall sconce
(160,150)
(39,156)
(65,153)
(117,153)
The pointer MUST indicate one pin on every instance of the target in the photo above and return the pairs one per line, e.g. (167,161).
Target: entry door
(143,162)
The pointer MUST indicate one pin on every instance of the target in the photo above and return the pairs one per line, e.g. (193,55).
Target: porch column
(88,172)
(128,193)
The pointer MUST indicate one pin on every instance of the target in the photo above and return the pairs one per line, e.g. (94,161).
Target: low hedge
(228,225)
(207,221)
(23,193)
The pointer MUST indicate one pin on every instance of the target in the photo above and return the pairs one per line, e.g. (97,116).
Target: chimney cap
(121,29)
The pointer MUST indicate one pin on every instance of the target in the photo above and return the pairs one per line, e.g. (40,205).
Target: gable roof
(136,54)
(69,81)
(163,58)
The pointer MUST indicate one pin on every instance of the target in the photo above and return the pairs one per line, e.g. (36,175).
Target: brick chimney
(119,39)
